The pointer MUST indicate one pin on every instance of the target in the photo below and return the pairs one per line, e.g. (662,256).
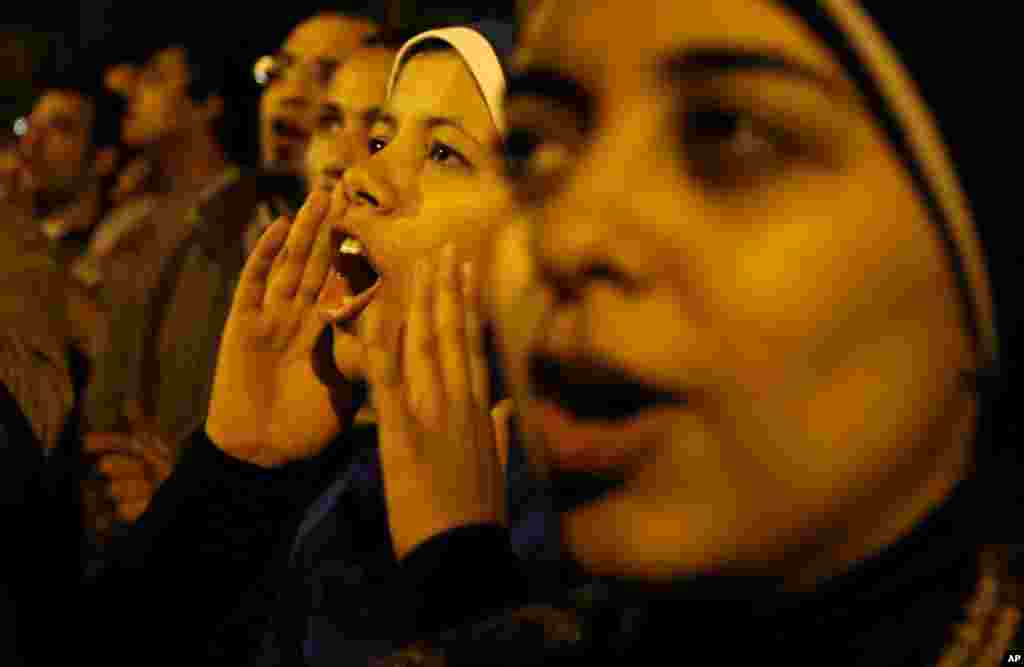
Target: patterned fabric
(191,306)
(330,606)
(132,275)
(39,381)
(88,268)
(34,333)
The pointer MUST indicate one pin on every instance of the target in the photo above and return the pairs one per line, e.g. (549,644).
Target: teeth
(351,246)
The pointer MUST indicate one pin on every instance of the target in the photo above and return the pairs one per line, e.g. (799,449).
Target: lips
(569,489)
(593,391)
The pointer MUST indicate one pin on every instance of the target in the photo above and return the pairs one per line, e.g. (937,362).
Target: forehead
(362,81)
(326,37)
(55,103)
(622,40)
(440,84)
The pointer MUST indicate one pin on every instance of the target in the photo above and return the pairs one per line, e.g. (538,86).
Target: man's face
(159,107)
(56,144)
(354,99)
(298,80)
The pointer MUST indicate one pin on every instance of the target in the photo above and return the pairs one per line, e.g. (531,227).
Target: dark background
(37,35)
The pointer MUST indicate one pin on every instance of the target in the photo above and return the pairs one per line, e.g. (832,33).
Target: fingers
(382,349)
(132,510)
(1003,634)
(286,276)
(132,455)
(985,635)
(122,466)
(479,372)
(383,370)
(252,284)
(422,372)
(106,443)
(136,413)
(317,267)
(348,350)
(160,462)
(130,490)
(450,320)
(501,420)
(352,308)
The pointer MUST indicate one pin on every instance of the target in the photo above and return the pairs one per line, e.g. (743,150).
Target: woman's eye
(376,145)
(726,147)
(444,154)
(519,147)
(535,165)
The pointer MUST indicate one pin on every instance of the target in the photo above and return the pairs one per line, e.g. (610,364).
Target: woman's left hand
(431,393)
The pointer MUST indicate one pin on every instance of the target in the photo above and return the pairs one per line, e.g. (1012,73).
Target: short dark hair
(85,79)
(211,73)
(390,38)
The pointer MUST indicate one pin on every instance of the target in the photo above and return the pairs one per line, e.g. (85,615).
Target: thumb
(501,418)
(383,370)
(135,413)
(323,315)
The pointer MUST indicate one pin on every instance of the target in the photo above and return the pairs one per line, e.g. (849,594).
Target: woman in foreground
(767,385)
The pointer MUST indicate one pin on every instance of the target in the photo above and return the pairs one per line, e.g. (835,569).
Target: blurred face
(159,108)
(121,78)
(513,300)
(353,102)
(56,146)
(749,322)
(434,176)
(302,71)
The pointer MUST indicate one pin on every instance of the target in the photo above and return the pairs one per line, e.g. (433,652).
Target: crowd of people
(636,331)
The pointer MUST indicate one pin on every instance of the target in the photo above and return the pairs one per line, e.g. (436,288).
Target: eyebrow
(551,85)
(715,60)
(369,115)
(430,122)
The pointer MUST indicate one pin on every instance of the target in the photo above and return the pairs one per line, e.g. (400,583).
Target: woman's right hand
(268,406)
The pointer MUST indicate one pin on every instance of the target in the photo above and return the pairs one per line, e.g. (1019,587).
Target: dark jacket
(190,306)
(40,553)
(898,608)
(288,566)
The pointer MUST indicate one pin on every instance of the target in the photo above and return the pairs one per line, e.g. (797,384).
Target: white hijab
(480,58)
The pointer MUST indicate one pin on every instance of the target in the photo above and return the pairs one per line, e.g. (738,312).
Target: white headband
(480,58)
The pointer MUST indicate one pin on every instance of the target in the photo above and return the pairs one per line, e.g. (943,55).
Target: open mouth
(569,489)
(588,390)
(352,261)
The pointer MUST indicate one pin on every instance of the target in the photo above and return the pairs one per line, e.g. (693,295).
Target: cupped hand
(429,382)
(268,406)
(134,463)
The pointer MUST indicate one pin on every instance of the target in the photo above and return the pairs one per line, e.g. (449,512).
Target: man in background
(190,304)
